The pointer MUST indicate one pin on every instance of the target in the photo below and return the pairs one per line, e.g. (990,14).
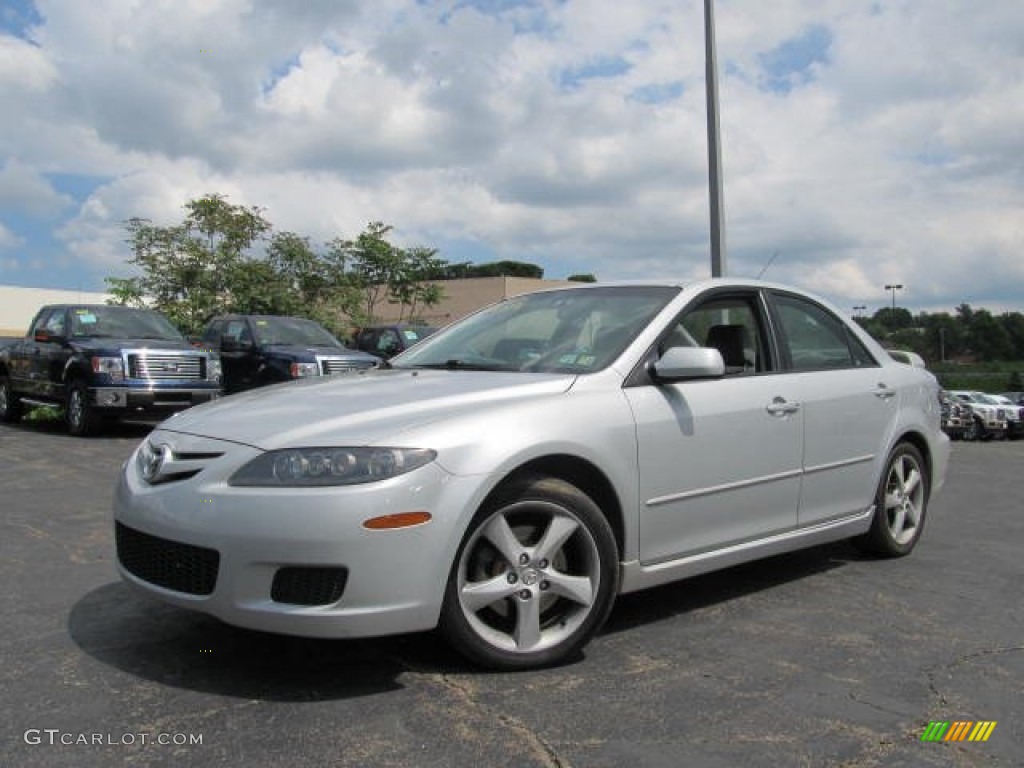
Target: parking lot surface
(824,657)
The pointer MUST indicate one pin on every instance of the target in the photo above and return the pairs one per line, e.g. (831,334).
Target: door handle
(883,392)
(780,407)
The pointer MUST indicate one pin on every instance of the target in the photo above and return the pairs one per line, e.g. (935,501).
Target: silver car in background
(509,476)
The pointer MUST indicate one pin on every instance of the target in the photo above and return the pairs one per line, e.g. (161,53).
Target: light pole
(714,146)
(894,287)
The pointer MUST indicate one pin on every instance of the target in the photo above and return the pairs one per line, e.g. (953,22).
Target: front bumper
(257,557)
(154,400)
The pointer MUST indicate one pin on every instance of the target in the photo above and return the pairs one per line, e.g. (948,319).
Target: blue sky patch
(16,16)
(76,185)
(657,93)
(605,66)
(792,63)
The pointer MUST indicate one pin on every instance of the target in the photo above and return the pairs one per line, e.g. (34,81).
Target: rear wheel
(901,503)
(10,404)
(81,416)
(534,577)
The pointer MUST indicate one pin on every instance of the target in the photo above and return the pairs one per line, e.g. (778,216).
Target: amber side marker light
(400,520)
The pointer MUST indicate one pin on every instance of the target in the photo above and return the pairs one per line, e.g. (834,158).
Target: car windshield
(987,399)
(292,330)
(121,323)
(576,330)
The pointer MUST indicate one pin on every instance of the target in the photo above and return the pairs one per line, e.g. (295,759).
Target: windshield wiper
(455,364)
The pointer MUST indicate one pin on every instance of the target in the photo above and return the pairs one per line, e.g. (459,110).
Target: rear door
(849,404)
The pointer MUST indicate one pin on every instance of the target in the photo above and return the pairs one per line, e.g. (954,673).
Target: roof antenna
(759,274)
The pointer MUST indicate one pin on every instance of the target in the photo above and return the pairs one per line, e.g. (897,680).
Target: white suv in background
(990,416)
(1014,415)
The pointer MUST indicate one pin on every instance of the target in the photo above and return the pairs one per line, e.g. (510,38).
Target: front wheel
(901,504)
(10,404)
(81,416)
(534,577)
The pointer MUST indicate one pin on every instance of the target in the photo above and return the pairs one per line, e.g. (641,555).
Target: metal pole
(718,265)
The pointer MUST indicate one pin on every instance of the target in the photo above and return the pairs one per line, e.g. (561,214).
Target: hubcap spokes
(903,499)
(529,577)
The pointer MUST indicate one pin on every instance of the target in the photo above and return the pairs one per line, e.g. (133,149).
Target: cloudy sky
(865,142)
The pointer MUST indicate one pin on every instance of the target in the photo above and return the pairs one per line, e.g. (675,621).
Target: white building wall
(19,305)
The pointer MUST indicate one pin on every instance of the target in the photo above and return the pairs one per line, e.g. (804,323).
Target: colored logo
(958,730)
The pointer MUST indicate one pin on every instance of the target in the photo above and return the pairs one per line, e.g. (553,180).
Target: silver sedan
(508,477)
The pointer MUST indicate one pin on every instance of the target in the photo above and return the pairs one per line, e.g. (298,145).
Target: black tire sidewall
(12,413)
(87,424)
(880,539)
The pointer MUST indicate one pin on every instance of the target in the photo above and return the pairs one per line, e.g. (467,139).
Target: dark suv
(386,341)
(256,350)
(102,362)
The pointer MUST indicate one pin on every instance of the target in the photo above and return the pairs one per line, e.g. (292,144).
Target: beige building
(461,297)
(19,305)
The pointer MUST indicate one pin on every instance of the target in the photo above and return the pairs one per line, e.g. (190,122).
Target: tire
(972,431)
(11,408)
(81,417)
(901,505)
(534,578)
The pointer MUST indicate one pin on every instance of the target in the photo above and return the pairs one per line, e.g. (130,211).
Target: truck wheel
(81,416)
(10,403)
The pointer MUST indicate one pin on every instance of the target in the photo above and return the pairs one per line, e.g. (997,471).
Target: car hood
(93,343)
(307,350)
(357,409)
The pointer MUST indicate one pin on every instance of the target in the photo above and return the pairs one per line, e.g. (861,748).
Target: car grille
(163,366)
(332,365)
(308,586)
(169,564)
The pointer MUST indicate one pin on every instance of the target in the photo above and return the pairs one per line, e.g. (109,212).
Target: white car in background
(506,478)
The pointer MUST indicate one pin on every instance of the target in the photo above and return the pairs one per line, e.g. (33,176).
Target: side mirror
(682,363)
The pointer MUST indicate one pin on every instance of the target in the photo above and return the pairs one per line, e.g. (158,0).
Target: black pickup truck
(101,362)
(257,350)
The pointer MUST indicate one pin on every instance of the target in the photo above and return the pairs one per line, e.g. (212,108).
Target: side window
(388,342)
(212,335)
(55,323)
(236,330)
(815,339)
(729,325)
(41,322)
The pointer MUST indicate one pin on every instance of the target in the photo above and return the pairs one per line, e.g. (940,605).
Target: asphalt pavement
(820,658)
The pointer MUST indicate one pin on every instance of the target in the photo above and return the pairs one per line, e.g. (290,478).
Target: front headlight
(111,366)
(213,369)
(302,370)
(314,467)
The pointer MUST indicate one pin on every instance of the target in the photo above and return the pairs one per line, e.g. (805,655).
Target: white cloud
(8,240)
(571,134)
(24,189)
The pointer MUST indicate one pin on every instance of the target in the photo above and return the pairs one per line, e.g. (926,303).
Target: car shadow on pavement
(184,649)
(664,602)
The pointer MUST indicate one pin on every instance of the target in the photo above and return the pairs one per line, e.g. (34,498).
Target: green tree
(189,270)
(412,287)
(583,278)
(987,337)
